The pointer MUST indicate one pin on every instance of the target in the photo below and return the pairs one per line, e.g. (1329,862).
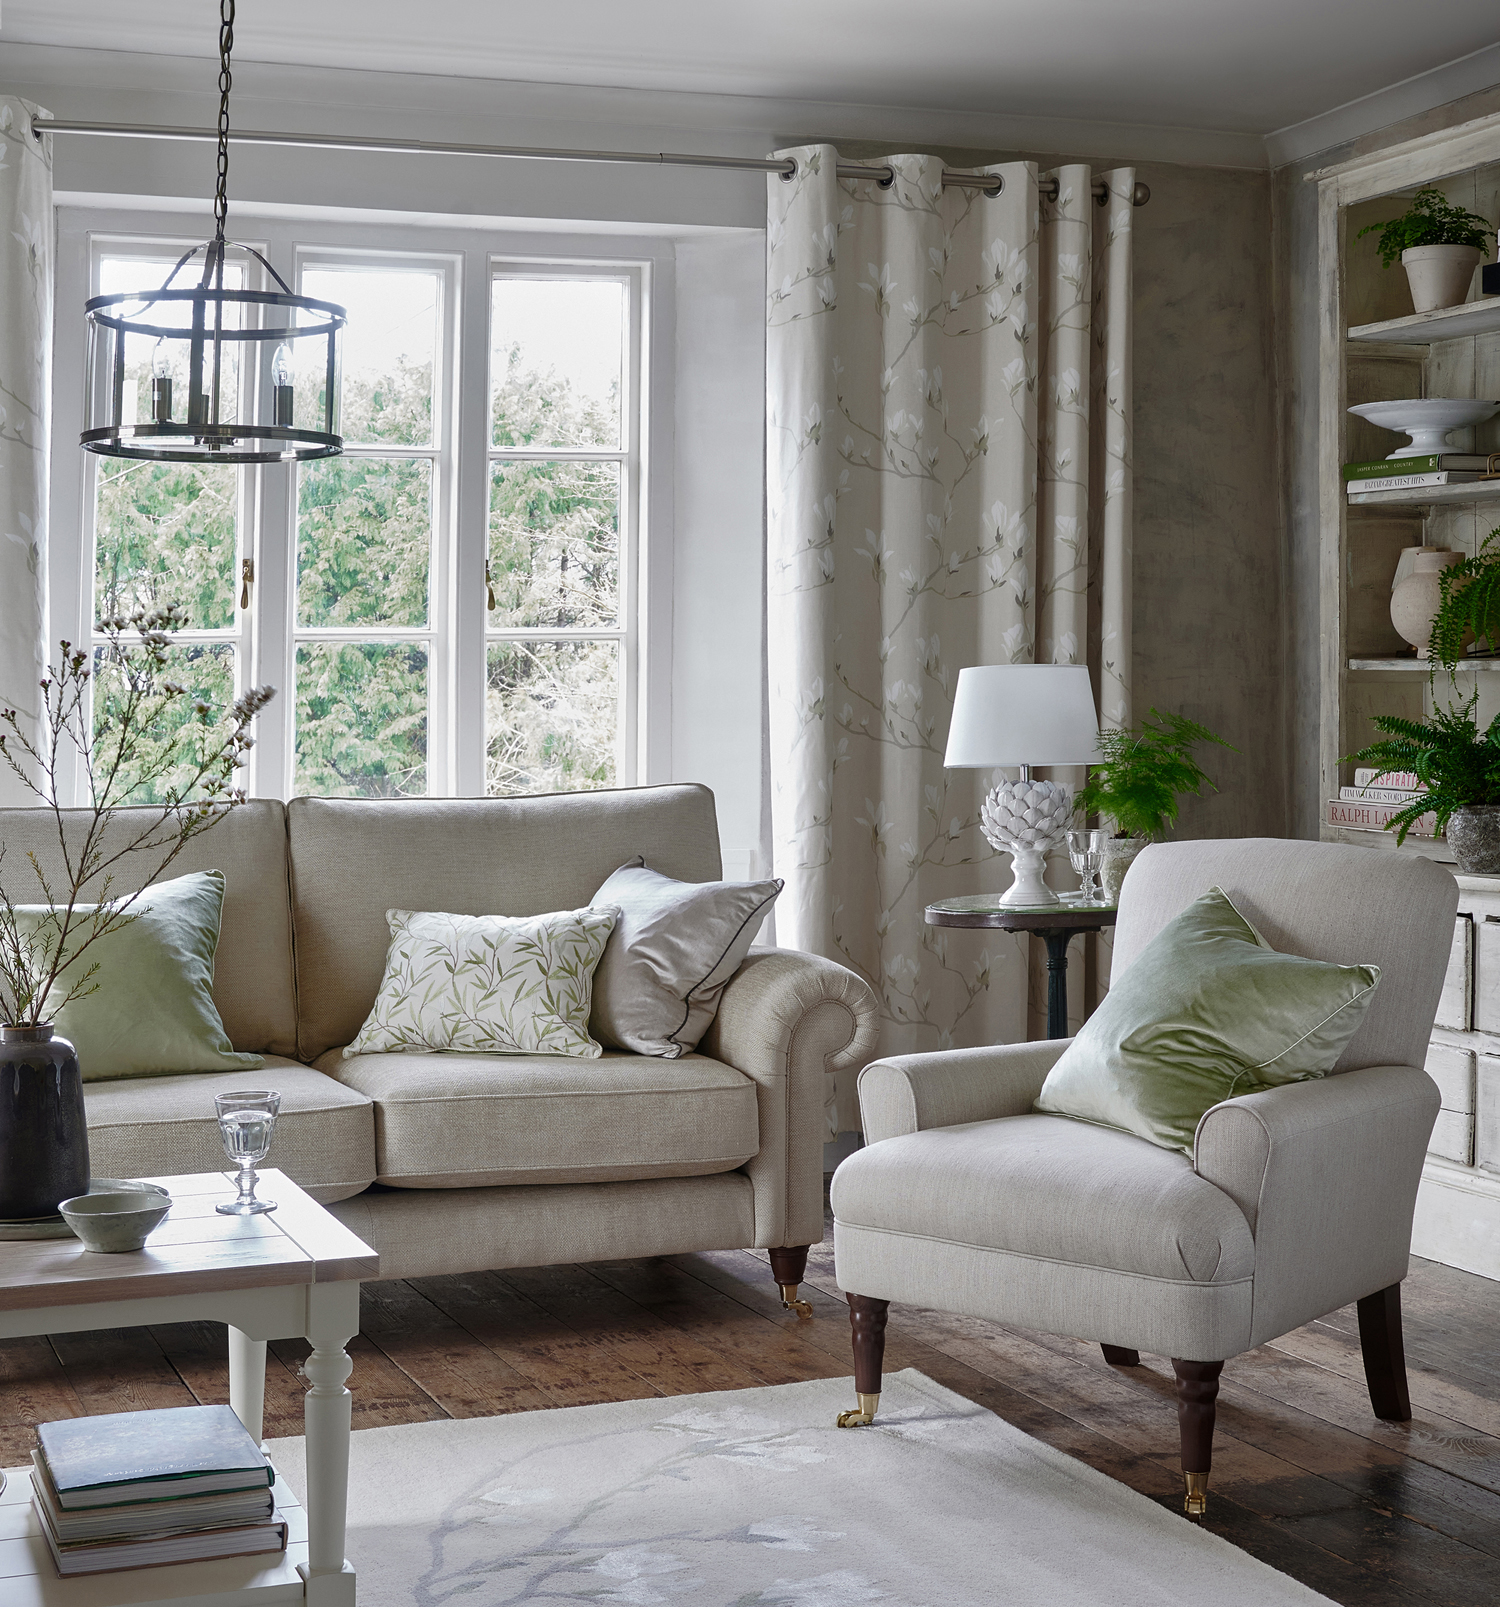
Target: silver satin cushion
(674,947)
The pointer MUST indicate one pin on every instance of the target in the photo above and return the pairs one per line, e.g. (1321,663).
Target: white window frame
(458,619)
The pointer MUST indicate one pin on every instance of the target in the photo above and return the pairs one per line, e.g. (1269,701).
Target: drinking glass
(246,1120)
(1086,854)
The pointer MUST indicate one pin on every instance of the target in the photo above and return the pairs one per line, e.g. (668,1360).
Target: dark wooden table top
(985,910)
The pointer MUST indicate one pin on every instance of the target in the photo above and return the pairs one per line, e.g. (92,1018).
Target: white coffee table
(293,1272)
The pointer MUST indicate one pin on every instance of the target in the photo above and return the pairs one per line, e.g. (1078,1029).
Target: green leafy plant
(1469,605)
(1431,221)
(150,736)
(1144,772)
(1459,766)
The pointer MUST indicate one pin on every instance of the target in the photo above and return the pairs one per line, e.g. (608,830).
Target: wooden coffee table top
(194,1250)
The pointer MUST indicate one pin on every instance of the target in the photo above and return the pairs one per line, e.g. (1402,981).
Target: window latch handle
(489,586)
(247,580)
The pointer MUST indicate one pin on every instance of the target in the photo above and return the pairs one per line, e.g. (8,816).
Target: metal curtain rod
(991,184)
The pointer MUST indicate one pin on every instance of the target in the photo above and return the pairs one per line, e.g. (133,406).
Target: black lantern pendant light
(201,374)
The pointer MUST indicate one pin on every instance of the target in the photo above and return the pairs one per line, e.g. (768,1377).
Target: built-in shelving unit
(1373,348)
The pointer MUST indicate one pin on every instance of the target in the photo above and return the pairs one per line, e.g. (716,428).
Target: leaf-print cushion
(492,983)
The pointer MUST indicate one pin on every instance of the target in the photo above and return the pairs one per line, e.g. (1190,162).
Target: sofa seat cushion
(466,1120)
(1051,1188)
(165,1126)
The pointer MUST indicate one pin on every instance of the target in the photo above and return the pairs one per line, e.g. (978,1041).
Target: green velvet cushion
(152,1012)
(1208,1011)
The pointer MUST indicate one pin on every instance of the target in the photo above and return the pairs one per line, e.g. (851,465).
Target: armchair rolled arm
(789,1021)
(914,1093)
(1326,1174)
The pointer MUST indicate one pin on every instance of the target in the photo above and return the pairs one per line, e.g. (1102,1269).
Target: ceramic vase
(1474,837)
(1415,600)
(1119,855)
(44,1137)
(1440,276)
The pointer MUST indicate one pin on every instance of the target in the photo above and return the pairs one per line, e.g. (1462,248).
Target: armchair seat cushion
(1053,1189)
(472,1120)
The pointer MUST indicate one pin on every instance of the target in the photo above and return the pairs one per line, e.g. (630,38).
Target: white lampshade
(1033,714)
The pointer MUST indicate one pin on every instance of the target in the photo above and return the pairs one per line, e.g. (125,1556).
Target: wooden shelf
(1422,664)
(1480,317)
(1421,496)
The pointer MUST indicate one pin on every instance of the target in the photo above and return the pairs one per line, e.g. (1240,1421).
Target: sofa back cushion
(253,988)
(354,859)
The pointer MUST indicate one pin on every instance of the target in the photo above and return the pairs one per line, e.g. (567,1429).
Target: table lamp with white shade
(1017,716)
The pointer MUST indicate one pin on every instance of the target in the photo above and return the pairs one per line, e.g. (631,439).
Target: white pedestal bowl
(1427,420)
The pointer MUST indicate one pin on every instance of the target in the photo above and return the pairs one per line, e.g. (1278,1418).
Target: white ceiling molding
(1421,93)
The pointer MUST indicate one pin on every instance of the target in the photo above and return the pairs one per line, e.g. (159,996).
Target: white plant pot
(1440,276)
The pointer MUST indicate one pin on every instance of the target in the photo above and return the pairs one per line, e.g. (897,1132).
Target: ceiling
(1243,66)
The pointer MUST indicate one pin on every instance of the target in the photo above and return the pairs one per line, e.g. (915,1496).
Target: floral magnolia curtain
(948,467)
(25,407)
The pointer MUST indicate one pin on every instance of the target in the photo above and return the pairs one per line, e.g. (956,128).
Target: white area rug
(754,1497)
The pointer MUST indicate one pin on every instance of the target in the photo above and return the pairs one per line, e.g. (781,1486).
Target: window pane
(390,348)
(555,544)
(552,716)
(362,719)
(557,361)
(141,351)
(364,534)
(166,533)
(206,670)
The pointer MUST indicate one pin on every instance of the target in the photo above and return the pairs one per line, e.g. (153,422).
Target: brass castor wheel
(790,1302)
(1195,1502)
(863,1416)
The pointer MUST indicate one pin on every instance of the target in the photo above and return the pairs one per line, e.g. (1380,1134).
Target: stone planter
(44,1138)
(1440,276)
(1414,602)
(1474,837)
(1119,855)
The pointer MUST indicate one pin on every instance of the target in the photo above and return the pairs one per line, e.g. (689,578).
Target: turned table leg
(333,1320)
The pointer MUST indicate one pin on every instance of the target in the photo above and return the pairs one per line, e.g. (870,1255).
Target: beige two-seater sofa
(463,1162)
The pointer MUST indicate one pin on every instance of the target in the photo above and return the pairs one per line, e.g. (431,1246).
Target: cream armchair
(1296,1202)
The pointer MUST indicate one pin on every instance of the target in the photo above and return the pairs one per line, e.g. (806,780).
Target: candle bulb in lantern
(161,384)
(281,383)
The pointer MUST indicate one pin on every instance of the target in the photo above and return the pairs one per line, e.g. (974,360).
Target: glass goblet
(1086,855)
(246,1121)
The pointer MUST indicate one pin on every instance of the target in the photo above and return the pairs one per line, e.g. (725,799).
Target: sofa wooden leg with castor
(867,1323)
(1197,1390)
(1385,1354)
(789,1268)
(1118,1356)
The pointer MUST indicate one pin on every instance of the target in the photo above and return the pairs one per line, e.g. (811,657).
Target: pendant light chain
(226,83)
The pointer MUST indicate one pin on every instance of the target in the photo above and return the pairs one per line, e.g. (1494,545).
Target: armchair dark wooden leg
(1118,1356)
(1197,1390)
(867,1321)
(789,1267)
(1385,1354)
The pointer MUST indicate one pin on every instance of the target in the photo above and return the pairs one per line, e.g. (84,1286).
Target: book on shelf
(1401,780)
(1423,463)
(156,1455)
(1418,482)
(1373,817)
(1400,796)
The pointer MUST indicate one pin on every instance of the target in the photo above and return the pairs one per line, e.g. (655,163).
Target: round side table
(1056,924)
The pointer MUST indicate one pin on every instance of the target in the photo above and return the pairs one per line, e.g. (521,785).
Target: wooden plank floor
(1368,1513)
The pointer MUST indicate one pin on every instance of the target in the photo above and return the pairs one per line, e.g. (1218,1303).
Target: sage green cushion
(152,1012)
(1208,1011)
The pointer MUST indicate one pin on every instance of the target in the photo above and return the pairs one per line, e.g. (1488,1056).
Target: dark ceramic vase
(44,1137)
(1474,837)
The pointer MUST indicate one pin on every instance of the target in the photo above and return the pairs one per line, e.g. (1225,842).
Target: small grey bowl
(115,1222)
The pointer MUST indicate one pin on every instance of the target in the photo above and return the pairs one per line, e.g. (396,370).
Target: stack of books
(137,1489)
(1417,473)
(1374,798)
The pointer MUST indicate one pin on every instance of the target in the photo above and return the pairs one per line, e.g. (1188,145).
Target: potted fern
(1459,766)
(1439,244)
(1137,785)
(1467,621)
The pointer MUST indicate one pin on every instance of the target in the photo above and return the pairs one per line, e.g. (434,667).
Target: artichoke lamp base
(1025,818)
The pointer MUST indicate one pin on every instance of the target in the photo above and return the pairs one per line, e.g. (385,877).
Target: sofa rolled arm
(789,1021)
(1326,1173)
(914,1093)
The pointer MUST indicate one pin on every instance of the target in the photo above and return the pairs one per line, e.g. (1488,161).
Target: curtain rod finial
(1140,194)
